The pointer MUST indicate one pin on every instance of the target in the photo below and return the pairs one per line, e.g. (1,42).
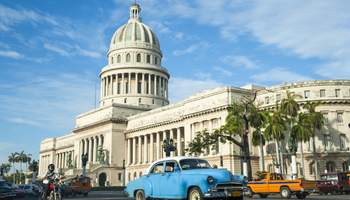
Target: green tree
(274,131)
(241,116)
(33,167)
(12,158)
(21,158)
(6,167)
(290,109)
(317,123)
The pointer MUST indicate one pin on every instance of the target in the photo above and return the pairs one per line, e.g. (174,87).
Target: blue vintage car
(185,178)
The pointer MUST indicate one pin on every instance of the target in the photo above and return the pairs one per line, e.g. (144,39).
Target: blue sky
(52,51)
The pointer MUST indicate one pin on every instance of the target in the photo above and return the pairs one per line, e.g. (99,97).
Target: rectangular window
(278,98)
(119,176)
(325,118)
(307,94)
(340,117)
(337,92)
(267,100)
(322,93)
(326,142)
(139,87)
(342,142)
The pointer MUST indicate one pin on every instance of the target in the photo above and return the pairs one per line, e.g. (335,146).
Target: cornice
(99,123)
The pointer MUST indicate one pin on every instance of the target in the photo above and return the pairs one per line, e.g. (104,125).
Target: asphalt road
(106,195)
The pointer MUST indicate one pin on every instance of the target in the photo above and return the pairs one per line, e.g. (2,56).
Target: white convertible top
(176,158)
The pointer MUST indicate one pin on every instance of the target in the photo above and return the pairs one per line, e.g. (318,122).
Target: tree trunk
(314,155)
(14,172)
(278,160)
(281,158)
(302,160)
(294,167)
(261,155)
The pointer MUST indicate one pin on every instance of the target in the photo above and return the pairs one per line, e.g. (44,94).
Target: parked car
(185,178)
(6,192)
(270,183)
(80,185)
(334,183)
(30,189)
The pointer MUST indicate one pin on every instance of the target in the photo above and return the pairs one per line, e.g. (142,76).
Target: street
(108,195)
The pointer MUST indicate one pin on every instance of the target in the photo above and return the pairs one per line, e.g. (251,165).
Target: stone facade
(125,134)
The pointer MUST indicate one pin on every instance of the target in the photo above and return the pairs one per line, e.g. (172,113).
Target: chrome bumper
(224,190)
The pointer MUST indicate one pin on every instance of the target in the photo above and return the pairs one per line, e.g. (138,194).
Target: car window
(187,164)
(26,187)
(170,166)
(158,168)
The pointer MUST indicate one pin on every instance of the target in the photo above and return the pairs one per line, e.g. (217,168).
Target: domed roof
(134,33)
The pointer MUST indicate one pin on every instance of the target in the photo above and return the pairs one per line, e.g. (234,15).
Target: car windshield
(194,164)
(27,187)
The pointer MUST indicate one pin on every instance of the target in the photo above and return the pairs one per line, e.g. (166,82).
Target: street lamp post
(168,146)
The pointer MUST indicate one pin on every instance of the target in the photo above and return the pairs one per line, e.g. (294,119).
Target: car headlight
(210,179)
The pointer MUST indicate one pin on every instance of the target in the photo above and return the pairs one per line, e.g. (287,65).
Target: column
(136,82)
(134,150)
(92,146)
(161,90)
(112,84)
(149,84)
(171,136)
(122,85)
(129,83)
(143,91)
(158,145)
(178,145)
(155,85)
(151,157)
(139,150)
(145,154)
(86,146)
(128,151)
(158,87)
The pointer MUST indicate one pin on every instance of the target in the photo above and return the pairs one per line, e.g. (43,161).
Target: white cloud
(181,88)
(278,75)
(192,48)
(5,145)
(50,101)
(223,71)
(56,49)
(240,61)
(10,54)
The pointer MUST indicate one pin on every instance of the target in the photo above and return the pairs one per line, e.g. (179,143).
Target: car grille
(229,185)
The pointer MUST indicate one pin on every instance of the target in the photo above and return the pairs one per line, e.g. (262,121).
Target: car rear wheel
(195,194)
(301,195)
(140,195)
(285,192)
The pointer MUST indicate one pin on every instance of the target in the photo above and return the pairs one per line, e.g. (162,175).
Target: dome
(134,33)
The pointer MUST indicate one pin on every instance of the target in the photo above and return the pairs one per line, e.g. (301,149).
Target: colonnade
(45,160)
(62,159)
(90,145)
(125,83)
(148,147)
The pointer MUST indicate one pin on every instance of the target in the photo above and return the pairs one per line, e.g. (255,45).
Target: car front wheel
(140,195)
(195,194)
(285,192)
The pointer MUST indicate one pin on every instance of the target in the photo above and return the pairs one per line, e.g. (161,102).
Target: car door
(154,177)
(170,181)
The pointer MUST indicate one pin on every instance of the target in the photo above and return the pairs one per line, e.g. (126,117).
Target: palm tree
(6,167)
(317,123)
(274,130)
(21,158)
(290,109)
(303,132)
(258,119)
(12,158)
(33,167)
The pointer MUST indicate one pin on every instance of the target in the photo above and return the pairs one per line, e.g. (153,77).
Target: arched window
(129,177)
(135,175)
(330,166)
(152,101)
(138,57)
(128,57)
(124,100)
(139,100)
(118,59)
(148,59)
(140,174)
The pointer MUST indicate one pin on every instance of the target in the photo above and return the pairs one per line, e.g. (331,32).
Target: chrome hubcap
(194,195)
(284,193)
